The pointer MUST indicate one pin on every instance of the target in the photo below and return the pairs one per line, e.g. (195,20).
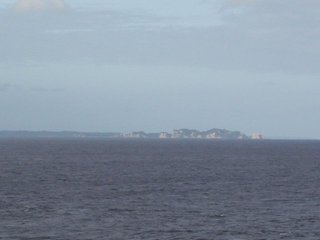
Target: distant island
(214,133)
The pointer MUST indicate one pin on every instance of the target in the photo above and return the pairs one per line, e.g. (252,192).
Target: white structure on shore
(256,136)
(165,135)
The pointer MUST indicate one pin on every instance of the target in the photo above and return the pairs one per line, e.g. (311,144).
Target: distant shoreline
(213,134)
(22,134)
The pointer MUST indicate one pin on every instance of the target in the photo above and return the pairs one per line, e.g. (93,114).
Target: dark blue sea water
(126,189)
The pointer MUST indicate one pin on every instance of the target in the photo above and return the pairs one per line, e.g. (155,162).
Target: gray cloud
(9,87)
(6,87)
(279,35)
(47,90)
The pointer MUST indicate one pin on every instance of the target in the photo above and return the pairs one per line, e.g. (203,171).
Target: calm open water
(133,189)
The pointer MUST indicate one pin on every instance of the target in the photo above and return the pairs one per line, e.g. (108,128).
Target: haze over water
(157,65)
(159,189)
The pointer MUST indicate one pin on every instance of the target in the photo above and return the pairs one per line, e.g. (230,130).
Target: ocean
(81,189)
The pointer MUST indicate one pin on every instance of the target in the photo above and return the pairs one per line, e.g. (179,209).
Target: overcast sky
(157,65)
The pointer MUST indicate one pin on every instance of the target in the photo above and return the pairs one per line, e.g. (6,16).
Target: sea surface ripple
(82,189)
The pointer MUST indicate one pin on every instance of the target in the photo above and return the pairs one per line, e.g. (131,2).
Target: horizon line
(265,137)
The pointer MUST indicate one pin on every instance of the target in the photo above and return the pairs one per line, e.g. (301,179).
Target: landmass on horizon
(214,133)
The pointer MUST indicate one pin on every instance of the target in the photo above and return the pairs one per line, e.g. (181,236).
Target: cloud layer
(263,36)
(40,6)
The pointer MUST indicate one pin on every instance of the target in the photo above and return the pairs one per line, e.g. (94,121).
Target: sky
(158,65)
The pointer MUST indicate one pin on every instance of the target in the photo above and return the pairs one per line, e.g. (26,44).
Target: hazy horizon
(248,134)
(122,66)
